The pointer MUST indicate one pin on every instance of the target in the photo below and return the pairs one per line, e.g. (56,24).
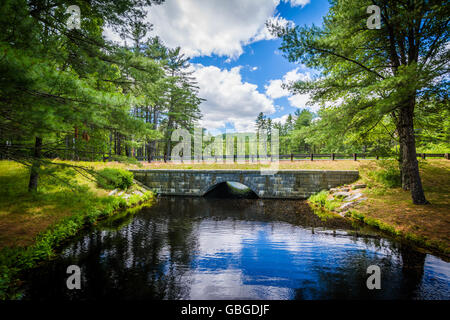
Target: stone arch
(248,184)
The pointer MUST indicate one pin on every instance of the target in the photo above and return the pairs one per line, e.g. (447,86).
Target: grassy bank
(390,209)
(32,225)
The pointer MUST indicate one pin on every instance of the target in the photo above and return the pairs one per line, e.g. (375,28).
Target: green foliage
(82,96)
(319,198)
(373,222)
(90,209)
(13,260)
(322,206)
(110,178)
(388,175)
(369,80)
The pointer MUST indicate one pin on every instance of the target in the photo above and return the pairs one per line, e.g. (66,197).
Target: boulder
(113,192)
(353,197)
(346,206)
(342,194)
(342,189)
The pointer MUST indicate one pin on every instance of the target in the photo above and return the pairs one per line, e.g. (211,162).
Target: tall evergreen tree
(376,73)
(56,82)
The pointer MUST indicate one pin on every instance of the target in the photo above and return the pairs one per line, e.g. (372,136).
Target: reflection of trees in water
(147,251)
(413,263)
(401,274)
(150,257)
(182,243)
(144,259)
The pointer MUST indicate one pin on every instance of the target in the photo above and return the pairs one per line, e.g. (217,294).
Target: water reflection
(196,248)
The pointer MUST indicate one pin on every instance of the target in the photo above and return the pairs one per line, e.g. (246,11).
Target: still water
(200,248)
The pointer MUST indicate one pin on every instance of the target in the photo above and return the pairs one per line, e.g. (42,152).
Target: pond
(212,248)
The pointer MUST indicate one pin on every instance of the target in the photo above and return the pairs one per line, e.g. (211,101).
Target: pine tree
(58,84)
(376,73)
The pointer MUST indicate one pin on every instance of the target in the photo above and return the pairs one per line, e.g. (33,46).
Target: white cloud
(205,27)
(281,119)
(229,99)
(297,3)
(275,90)
(303,101)
(264,34)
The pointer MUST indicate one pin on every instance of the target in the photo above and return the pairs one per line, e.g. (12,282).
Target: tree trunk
(403,174)
(34,173)
(155,127)
(110,144)
(119,144)
(409,165)
(127,150)
(169,135)
(149,152)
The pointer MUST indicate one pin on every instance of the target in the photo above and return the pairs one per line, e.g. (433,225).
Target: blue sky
(237,62)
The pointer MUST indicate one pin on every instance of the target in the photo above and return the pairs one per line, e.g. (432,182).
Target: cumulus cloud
(281,119)
(205,27)
(297,3)
(303,101)
(264,33)
(275,90)
(229,100)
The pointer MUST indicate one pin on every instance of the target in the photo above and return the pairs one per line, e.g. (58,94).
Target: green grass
(390,209)
(388,174)
(322,206)
(112,178)
(33,225)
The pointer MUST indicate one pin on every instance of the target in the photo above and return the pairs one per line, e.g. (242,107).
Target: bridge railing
(6,152)
(297,157)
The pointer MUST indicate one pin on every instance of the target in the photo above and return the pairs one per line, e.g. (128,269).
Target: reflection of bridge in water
(284,184)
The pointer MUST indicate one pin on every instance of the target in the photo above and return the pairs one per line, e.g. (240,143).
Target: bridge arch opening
(230,189)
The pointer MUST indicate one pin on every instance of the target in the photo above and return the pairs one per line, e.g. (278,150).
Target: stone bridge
(285,184)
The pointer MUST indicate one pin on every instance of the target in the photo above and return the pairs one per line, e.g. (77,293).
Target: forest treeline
(70,93)
(311,132)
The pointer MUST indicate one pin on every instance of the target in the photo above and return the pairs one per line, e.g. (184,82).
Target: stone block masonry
(285,184)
